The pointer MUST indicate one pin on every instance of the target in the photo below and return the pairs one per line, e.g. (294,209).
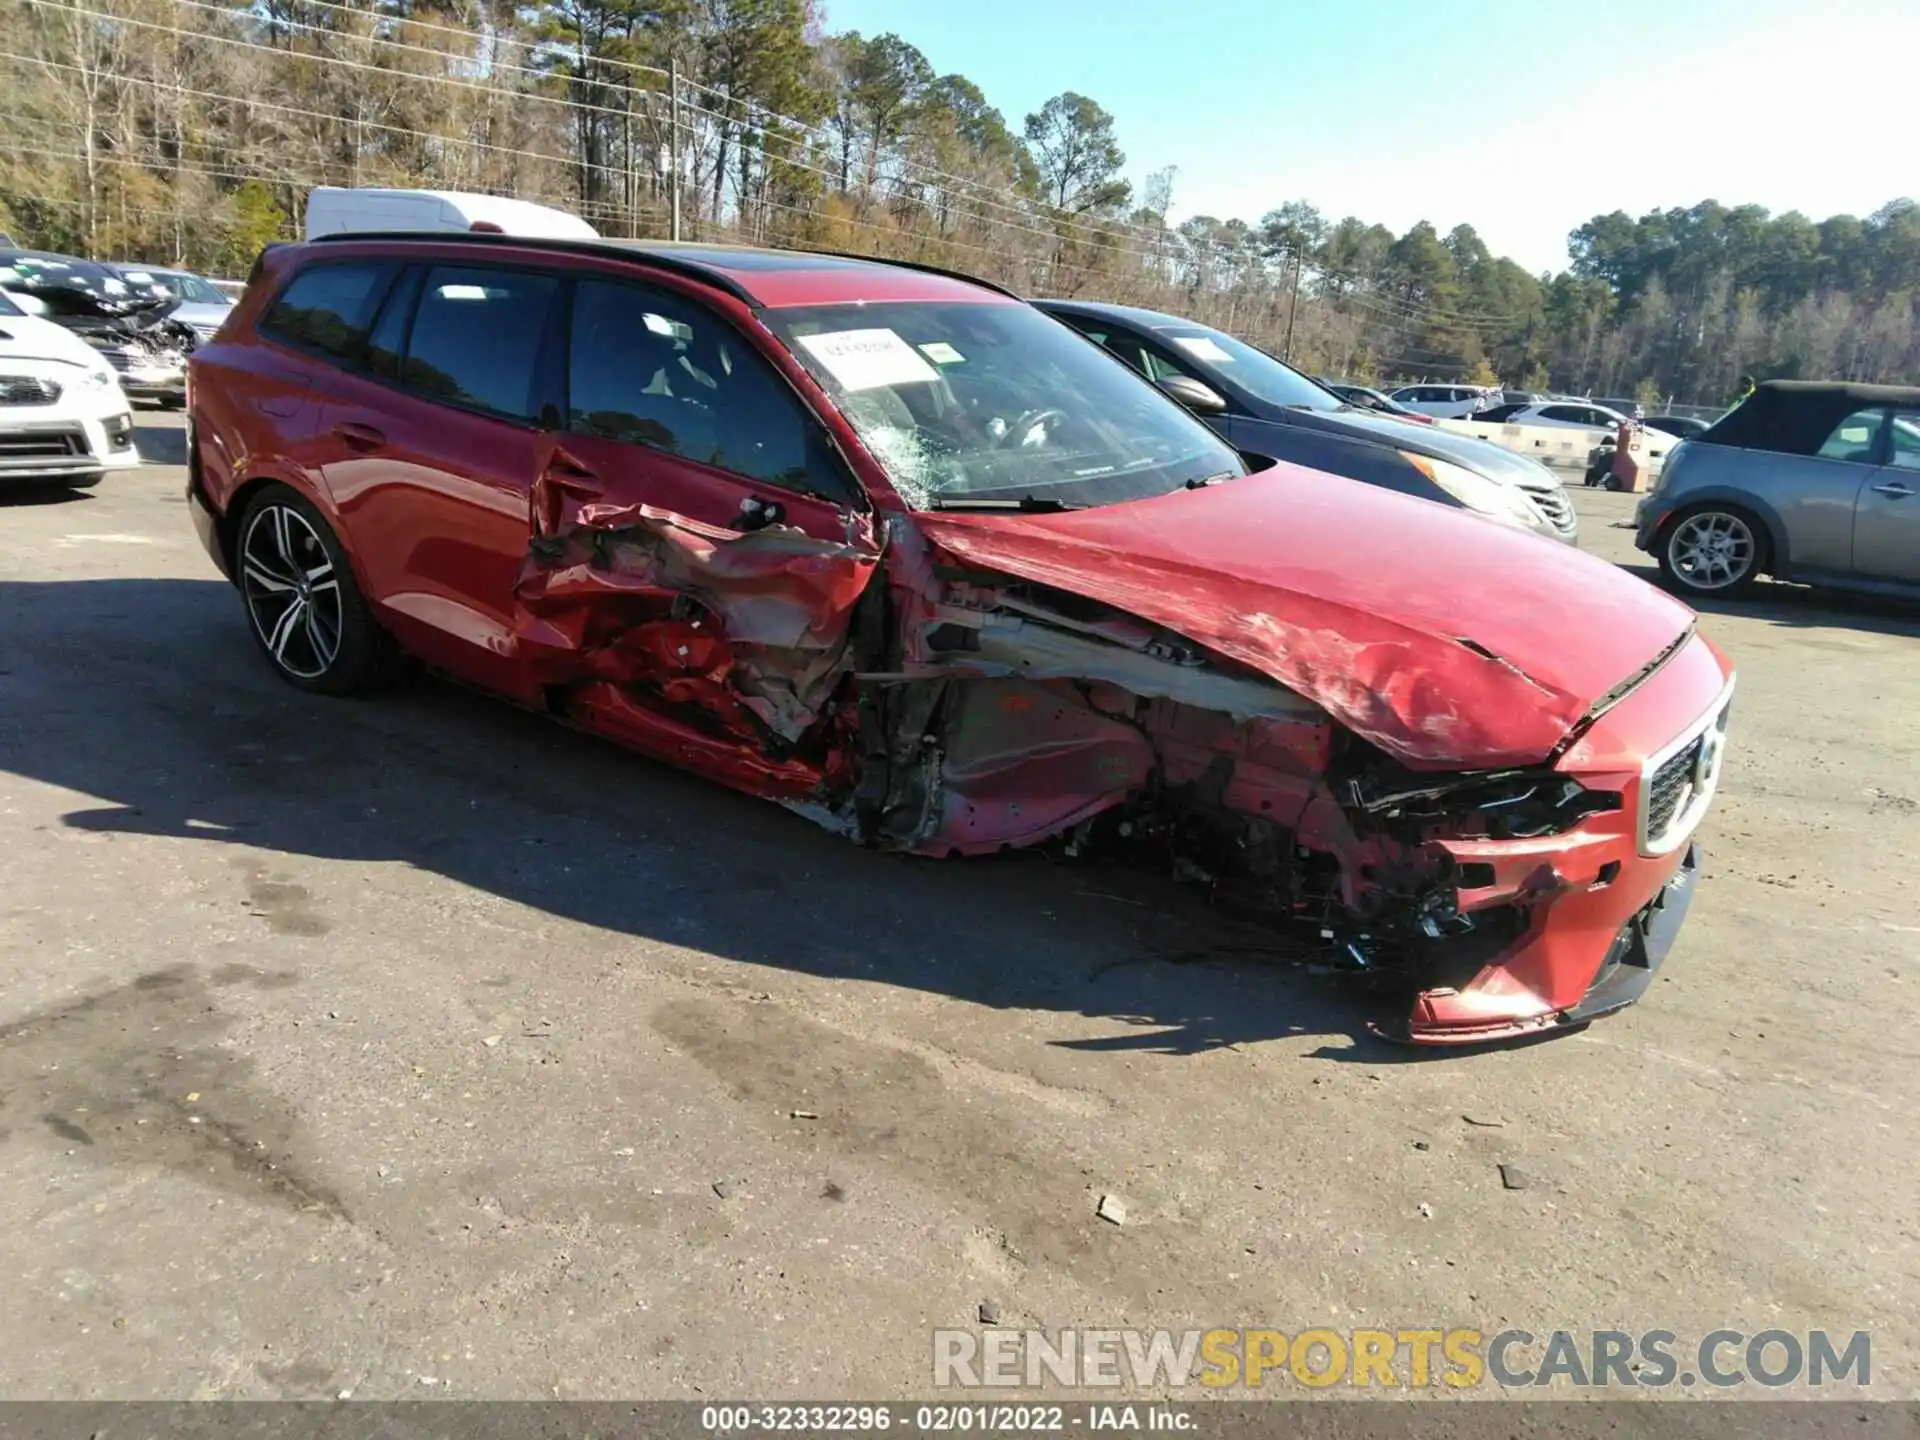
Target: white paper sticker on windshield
(869,359)
(942,353)
(1203,348)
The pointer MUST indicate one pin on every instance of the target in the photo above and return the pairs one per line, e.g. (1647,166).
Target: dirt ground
(406,1047)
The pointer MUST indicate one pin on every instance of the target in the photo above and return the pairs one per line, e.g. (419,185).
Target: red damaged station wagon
(898,551)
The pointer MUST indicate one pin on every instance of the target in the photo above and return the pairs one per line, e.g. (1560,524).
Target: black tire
(285,556)
(1713,551)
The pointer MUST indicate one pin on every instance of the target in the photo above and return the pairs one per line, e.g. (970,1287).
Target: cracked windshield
(990,406)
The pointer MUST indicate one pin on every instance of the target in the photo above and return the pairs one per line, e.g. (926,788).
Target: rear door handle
(358,436)
(1893,490)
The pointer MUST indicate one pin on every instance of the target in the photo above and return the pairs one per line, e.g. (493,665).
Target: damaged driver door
(698,546)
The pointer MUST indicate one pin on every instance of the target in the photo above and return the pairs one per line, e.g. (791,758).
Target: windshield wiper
(1200,482)
(1025,504)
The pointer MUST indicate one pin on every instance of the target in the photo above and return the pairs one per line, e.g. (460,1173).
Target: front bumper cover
(1622,975)
(1641,946)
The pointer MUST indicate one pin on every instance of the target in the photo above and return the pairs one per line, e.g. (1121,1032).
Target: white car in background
(1584,415)
(1445,402)
(63,417)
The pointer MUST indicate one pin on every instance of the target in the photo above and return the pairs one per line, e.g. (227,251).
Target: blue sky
(1523,120)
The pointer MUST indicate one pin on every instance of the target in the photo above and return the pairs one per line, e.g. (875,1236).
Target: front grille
(1669,788)
(119,359)
(1676,785)
(1552,503)
(28,390)
(42,445)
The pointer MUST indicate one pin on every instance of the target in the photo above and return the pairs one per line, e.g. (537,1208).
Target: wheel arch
(1773,530)
(227,522)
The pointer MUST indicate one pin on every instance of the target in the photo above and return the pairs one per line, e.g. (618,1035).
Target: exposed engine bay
(131,324)
(954,711)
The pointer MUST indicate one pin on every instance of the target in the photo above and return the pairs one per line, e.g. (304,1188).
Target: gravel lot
(398,1046)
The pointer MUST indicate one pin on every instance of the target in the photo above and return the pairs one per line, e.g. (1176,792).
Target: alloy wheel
(292,593)
(1713,550)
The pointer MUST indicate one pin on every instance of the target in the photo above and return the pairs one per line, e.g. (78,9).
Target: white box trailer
(333,210)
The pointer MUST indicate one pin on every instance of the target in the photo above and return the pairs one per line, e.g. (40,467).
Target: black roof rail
(922,267)
(611,249)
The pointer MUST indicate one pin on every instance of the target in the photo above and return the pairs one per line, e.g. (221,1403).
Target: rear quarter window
(476,339)
(1854,438)
(327,307)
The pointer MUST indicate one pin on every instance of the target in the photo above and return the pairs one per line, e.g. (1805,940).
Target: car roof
(13,252)
(1794,416)
(1131,314)
(1791,390)
(763,278)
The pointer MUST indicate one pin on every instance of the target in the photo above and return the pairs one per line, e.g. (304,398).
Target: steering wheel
(1028,422)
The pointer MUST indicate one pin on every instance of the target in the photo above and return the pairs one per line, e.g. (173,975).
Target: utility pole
(1293,308)
(673,141)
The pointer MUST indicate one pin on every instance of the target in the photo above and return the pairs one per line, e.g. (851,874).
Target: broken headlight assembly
(1493,805)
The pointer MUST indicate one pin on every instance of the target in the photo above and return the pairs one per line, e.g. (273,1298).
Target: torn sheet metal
(1021,763)
(733,623)
(1016,646)
(1248,569)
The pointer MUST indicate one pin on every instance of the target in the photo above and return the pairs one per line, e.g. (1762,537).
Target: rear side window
(646,368)
(328,307)
(477,337)
(1906,439)
(1853,438)
(1499,412)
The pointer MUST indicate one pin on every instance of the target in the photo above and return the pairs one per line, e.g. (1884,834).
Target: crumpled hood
(1446,641)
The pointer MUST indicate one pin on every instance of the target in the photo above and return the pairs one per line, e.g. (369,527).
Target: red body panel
(619,586)
(1575,917)
(1359,599)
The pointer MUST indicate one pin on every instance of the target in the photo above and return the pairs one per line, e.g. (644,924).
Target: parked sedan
(1805,481)
(896,550)
(1446,402)
(200,304)
(130,325)
(1265,407)
(63,418)
(1555,415)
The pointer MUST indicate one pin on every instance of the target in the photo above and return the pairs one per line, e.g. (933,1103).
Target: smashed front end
(133,328)
(918,702)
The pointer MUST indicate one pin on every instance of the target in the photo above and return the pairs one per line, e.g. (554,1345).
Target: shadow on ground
(1782,603)
(22,494)
(148,695)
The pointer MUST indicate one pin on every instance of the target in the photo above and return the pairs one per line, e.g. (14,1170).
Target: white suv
(1596,420)
(1446,402)
(63,416)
